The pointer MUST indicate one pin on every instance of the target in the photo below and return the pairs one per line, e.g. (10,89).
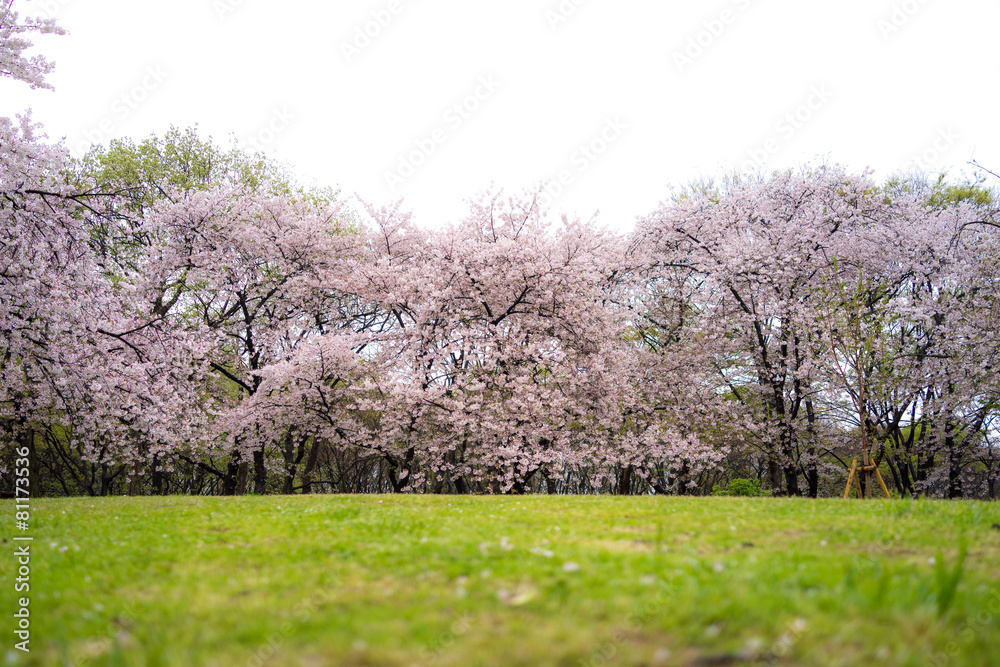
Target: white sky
(888,81)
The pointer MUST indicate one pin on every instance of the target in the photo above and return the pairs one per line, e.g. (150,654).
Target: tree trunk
(955,489)
(899,476)
(792,480)
(311,460)
(550,485)
(135,480)
(259,472)
(625,481)
(521,485)
(231,479)
(157,477)
(288,485)
(393,471)
(790,467)
(291,462)
(243,473)
(812,468)
(812,479)
(925,464)
(774,475)
(438,486)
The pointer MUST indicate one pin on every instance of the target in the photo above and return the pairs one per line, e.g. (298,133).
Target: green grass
(536,580)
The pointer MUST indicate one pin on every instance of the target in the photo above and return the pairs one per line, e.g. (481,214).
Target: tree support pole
(855,476)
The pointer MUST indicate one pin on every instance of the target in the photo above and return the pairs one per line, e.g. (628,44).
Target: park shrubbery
(740,487)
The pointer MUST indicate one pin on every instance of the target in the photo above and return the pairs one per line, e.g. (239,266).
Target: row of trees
(176,317)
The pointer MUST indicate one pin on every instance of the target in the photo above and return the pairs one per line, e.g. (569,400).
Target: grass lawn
(536,580)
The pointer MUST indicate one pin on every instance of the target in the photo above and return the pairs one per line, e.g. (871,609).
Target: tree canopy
(179,316)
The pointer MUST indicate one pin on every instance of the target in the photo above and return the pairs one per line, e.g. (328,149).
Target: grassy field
(536,580)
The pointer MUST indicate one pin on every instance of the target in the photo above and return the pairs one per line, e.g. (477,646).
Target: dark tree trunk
(135,480)
(792,480)
(259,472)
(925,464)
(292,456)
(812,479)
(550,485)
(955,489)
(774,476)
(311,460)
(790,468)
(683,483)
(812,466)
(897,475)
(157,477)
(242,474)
(395,466)
(521,485)
(229,481)
(625,481)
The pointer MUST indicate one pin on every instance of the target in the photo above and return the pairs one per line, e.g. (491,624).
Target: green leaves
(740,487)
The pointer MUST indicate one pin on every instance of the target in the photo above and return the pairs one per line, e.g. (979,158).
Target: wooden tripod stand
(855,476)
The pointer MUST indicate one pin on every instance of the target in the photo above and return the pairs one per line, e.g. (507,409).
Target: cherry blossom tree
(80,350)
(84,363)
(900,312)
(818,287)
(497,354)
(244,267)
(220,243)
(754,249)
(14,63)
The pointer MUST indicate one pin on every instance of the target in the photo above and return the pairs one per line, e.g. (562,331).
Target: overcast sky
(612,102)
